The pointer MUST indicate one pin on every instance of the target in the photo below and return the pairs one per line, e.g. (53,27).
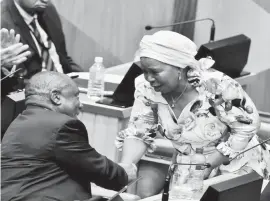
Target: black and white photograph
(135,100)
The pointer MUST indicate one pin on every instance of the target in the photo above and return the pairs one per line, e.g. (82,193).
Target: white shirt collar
(27,17)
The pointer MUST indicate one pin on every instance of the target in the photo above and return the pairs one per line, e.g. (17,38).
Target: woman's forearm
(133,150)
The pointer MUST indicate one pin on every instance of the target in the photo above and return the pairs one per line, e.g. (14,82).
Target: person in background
(45,153)
(13,53)
(39,26)
(193,106)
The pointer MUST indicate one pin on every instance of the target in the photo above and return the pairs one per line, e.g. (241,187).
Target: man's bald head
(54,91)
(41,84)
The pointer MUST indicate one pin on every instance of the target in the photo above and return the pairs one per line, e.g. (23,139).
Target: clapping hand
(12,51)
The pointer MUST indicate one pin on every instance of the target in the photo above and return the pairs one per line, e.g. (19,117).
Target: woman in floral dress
(193,106)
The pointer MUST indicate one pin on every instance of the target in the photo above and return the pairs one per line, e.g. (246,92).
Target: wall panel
(259,91)
(111,29)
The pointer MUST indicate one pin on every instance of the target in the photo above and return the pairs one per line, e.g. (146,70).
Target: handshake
(131,170)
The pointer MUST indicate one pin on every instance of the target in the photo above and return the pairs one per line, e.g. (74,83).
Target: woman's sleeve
(142,121)
(240,115)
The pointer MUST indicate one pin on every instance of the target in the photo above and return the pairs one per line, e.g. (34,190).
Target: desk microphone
(212,33)
(11,74)
(165,194)
(229,161)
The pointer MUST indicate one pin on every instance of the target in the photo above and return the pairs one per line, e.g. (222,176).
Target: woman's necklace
(177,99)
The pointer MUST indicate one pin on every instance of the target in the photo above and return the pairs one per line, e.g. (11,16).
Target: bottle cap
(98,59)
(199,150)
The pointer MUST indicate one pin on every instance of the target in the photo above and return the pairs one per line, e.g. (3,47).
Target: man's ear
(55,97)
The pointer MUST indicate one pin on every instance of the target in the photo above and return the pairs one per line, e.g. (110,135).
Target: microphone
(212,32)
(229,161)
(11,74)
(171,169)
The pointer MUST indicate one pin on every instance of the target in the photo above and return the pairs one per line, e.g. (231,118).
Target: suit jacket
(46,156)
(265,196)
(50,22)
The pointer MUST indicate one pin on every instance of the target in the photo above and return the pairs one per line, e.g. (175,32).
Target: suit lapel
(49,26)
(24,29)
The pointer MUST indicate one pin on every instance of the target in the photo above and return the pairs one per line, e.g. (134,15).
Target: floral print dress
(222,118)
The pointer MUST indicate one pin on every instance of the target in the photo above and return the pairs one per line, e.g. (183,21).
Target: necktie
(44,46)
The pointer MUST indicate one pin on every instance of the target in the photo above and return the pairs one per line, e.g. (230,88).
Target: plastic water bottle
(188,179)
(96,80)
(180,187)
(197,173)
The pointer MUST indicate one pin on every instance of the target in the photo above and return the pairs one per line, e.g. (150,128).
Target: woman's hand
(207,172)
(215,159)
(131,170)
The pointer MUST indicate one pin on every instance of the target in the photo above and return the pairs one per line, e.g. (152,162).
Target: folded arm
(241,118)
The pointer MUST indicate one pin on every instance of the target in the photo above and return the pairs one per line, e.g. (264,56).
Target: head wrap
(173,48)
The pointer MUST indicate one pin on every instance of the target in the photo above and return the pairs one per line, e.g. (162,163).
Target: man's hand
(14,55)
(130,169)
(9,38)
(12,52)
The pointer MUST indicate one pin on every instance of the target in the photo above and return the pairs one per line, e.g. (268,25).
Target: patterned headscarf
(173,48)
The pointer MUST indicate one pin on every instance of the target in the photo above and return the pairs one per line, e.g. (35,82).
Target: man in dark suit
(45,151)
(39,25)
(265,196)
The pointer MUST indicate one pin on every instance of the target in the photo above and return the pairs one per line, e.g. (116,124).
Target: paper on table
(99,191)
